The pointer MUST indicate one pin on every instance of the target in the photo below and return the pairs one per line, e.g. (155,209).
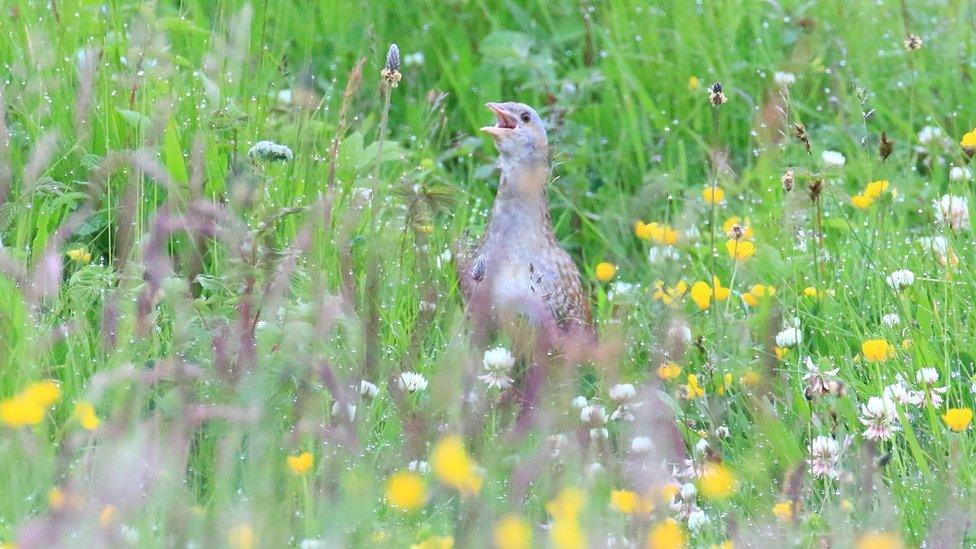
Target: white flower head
(620,289)
(784,79)
(891,320)
(418,466)
(833,159)
(790,337)
(901,279)
(824,457)
(269,151)
(579,402)
(412,382)
(697,519)
(701,446)
(622,392)
(960,174)
(953,211)
(930,135)
(367,389)
(928,377)
(662,254)
(639,445)
(349,410)
(879,418)
(497,363)
(593,414)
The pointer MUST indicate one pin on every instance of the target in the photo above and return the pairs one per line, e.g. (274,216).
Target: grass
(229,308)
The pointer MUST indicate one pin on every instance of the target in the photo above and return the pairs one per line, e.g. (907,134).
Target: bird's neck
(521,205)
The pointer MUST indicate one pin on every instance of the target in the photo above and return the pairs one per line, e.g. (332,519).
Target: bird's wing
(558,284)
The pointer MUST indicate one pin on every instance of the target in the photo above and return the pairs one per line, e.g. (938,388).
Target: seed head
(737,231)
(715,95)
(885,147)
(913,42)
(391,71)
(788,180)
(800,132)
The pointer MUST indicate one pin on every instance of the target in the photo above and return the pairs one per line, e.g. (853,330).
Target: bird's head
(518,132)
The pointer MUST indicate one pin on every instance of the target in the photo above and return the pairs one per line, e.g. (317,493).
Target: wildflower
(668,371)
(757,292)
(928,377)
(960,174)
(620,289)
(958,419)
(435,542)
(406,491)
(820,383)
(512,532)
(418,466)
(740,250)
(622,392)
(20,412)
(833,159)
(301,463)
(79,255)
(667,535)
(824,457)
(367,389)
(877,350)
(701,294)
(713,194)
(784,79)
(629,502)
(43,393)
(875,189)
(885,146)
(879,416)
(656,232)
(744,225)
(952,210)
(412,382)
(391,70)
(751,378)
(605,271)
(661,254)
(692,389)
(565,531)
(788,180)
(85,414)
(861,202)
(891,320)
(241,536)
(879,540)
(899,280)
(783,511)
(579,402)
(789,337)
(697,519)
(593,415)
(716,96)
(639,445)
(930,135)
(716,481)
(913,42)
(900,393)
(968,142)
(269,151)
(671,294)
(453,467)
(497,363)
(344,409)
(693,83)
(811,291)
(939,247)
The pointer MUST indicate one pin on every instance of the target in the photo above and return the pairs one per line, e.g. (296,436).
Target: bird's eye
(526,117)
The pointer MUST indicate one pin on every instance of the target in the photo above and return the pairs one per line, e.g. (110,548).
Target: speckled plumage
(518,273)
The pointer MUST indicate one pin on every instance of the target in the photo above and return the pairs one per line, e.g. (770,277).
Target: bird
(517,276)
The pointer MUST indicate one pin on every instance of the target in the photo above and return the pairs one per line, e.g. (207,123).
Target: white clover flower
(928,377)
(662,254)
(443,258)
(620,289)
(879,418)
(784,79)
(579,402)
(819,383)
(367,389)
(497,363)
(824,457)
(593,414)
(952,210)
(833,159)
(599,433)
(622,392)
(930,135)
(412,382)
(688,491)
(349,410)
(418,466)
(960,174)
(269,151)
(891,320)
(899,280)
(640,445)
(722,432)
(900,393)
(697,519)
(790,337)
(701,446)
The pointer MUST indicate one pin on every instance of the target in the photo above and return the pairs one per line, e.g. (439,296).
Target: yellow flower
(668,371)
(958,419)
(671,294)
(969,140)
(716,481)
(875,189)
(713,194)
(781,352)
(718,292)
(724,384)
(692,389)
(783,511)
(301,463)
(727,544)
(406,491)
(55,498)
(810,291)
(512,532)
(629,502)
(667,492)
(565,531)
(747,232)
(701,294)
(80,255)
(846,505)
(453,467)
(43,393)
(660,234)
(667,535)
(740,250)
(20,412)
(879,540)
(435,542)
(107,515)
(605,271)
(877,350)
(751,378)
(861,202)
(757,292)
(85,414)
(693,83)
(241,536)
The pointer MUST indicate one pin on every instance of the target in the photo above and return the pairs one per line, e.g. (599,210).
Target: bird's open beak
(506,122)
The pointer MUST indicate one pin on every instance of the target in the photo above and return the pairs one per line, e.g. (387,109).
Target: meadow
(229,314)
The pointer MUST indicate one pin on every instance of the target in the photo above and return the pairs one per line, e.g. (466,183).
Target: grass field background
(206,315)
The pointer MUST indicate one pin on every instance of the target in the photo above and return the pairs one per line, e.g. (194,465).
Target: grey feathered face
(519,133)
